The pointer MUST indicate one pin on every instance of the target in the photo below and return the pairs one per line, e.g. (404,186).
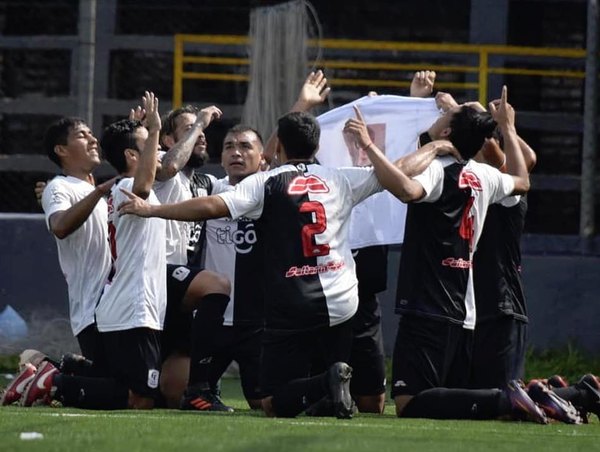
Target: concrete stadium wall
(563,292)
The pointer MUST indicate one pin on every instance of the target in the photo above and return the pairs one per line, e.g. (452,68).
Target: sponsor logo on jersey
(153,377)
(180,273)
(456,263)
(306,270)
(301,185)
(242,239)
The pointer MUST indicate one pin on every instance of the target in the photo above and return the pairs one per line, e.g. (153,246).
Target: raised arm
(195,209)
(146,168)
(504,114)
(422,84)
(178,155)
(63,223)
(314,91)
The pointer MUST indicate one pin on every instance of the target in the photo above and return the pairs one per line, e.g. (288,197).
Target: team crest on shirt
(301,185)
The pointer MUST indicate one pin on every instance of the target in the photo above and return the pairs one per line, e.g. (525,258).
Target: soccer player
(177,179)
(302,211)
(447,207)
(233,248)
(76,214)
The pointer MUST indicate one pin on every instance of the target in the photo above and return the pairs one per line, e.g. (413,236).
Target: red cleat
(40,386)
(17,387)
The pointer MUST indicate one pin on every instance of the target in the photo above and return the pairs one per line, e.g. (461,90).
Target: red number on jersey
(319,224)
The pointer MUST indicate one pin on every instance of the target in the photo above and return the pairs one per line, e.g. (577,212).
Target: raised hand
(502,112)
(445,101)
(422,84)
(150,105)
(134,206)
(39,191)
(475,105)
(137,114)
(207,115)
(445,147)
(357,127)
(314,90)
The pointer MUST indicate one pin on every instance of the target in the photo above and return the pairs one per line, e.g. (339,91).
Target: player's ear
(60,150)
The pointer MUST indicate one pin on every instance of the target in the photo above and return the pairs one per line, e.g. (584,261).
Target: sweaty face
(183,123)
(242,155)
(441,128)
(82,148)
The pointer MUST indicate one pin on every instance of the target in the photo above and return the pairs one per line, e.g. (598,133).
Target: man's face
(183,123)
(441,128)
(242,155)
(82,149)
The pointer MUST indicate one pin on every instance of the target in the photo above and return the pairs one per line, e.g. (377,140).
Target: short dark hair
(299,133)
(241,128)
(469,129)
(58,133)
(168,123)
(116,138)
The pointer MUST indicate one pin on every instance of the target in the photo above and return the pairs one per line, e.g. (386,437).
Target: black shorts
(134,359)
(287,355)
(241,344)
(177,330)
(92,348)
(430,354)
(367,357)
(498,352)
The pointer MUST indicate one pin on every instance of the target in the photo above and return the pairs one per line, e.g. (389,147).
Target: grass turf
(160,430)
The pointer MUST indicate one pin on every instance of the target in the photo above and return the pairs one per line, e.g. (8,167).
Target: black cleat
(553,406)
(522,406)
(339,375)
(590,384)
(74,364)
(201,398)
(557,381)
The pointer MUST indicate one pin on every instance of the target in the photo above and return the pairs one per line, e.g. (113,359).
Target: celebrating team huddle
(176,273)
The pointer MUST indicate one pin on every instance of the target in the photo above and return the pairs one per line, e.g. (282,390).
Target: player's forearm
(146,169)
(66,222)
(515,162)
(390,176)
(528,154)
(195,209)
(417,161)
(177,157)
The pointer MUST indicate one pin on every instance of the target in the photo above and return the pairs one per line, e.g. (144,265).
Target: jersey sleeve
(500,185)
(247,200)
(363,182)
(432,181)
(55,198)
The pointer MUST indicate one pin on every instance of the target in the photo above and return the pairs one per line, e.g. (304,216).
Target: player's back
(304,226)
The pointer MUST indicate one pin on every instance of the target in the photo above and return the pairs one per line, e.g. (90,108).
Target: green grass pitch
(163,430)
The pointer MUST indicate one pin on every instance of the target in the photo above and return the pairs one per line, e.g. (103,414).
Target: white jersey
(84,255)
(232,249)
(303,216)
(137,295)
(171,191)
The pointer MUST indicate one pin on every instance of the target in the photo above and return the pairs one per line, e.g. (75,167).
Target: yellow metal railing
(481,52)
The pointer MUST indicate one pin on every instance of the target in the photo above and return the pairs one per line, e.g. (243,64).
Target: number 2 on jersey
(319,224)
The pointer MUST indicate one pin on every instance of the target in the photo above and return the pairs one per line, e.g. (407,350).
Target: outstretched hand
(502,112)
(138,114)
(357,128)
(422,84)
(445,147)
(134,206)
(105,186)
(39,191)
(314,90)
(150,105)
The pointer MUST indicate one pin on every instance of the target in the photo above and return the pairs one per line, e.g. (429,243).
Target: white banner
(394,123)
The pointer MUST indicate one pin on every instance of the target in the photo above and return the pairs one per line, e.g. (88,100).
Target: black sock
(207,321)
(444,403)
(90,393)
(297,395)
